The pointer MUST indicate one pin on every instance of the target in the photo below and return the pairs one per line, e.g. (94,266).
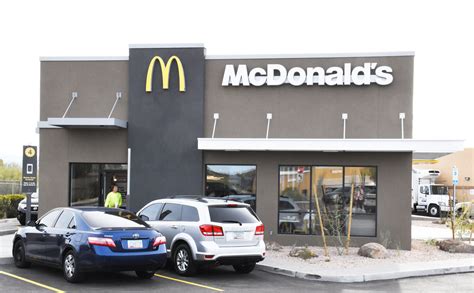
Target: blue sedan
(80,240)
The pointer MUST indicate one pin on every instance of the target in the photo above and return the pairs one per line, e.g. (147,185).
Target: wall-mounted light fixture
(216,117)
(269,118)
(344,119)
(402,118)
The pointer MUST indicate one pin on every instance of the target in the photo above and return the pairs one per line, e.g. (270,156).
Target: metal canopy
(112,123)
(331,145)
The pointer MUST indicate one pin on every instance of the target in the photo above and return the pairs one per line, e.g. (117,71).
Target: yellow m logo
(165,72)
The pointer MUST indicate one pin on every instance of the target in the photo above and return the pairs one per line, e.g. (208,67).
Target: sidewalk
(8,226)
(372,273)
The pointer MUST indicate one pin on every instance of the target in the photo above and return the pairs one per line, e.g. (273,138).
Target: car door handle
(174,226)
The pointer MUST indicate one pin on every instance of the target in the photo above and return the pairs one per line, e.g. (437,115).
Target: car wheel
(145,274)
(183,261)
(19,255)
(70,268)
(244,268)
(433,210)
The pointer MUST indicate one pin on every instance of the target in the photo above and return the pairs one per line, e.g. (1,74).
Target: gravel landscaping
(421,251)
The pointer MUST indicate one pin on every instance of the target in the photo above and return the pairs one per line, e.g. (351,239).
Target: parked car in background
(291,216)
(207,231)
(465,207)
(245,198)
(21,214)
(85,239)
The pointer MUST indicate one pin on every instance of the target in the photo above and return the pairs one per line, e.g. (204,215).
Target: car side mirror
(144,218)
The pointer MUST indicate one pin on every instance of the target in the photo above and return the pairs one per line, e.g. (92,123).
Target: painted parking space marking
(189,283)
(32,282)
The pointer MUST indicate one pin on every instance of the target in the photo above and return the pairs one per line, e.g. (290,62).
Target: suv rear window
(232,214)
(113,219)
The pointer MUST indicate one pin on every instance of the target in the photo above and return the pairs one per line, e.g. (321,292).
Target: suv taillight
(101,241)
(159,240)
(260,230)
(211,230)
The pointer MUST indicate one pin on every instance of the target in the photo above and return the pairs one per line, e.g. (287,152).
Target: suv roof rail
(193,197)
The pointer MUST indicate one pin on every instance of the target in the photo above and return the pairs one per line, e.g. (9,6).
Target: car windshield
(232,214)
(113,219)
(439,190)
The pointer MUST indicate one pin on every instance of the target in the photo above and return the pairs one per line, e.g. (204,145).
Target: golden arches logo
(165,72)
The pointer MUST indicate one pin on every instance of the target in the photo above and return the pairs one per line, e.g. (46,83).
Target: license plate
(236,236)
(134,244)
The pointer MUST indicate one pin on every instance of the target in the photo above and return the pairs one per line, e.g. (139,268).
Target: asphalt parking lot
(42,279)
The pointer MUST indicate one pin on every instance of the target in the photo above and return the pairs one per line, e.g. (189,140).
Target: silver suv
(204,231)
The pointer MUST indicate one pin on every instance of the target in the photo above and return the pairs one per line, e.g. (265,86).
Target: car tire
(145,274)
(71,269)
(19,257)
(244,268)
(433,210)
(183,261)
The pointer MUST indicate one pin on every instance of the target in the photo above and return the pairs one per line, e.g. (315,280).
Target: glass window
(85,184)
(331,200)
(235,182)
(90,183)
(330,193)
(294,200)
(171,212)
(113,219)
(151,212)
(49,219)
(361,185)
(232,214)
(189,214)
(64,220)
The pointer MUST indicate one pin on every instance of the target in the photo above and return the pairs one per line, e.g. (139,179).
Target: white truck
(426,195)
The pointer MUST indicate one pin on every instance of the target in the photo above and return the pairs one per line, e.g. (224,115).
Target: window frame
(232,164)
(343,166)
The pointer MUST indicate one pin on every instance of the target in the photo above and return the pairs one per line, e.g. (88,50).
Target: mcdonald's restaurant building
(314,143)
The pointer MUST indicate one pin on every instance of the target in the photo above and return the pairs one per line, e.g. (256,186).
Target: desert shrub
(9,205)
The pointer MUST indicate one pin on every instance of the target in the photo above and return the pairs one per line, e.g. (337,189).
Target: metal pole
(129,167)
(28,208)
(74,96)
(216,117)
(118,97)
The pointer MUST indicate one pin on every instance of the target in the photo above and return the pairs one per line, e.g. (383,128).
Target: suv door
(169,222)
(150,214)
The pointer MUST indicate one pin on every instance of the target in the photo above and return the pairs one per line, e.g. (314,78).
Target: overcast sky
(440,32)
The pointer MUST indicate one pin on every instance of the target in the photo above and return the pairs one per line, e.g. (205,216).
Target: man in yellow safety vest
(114,198)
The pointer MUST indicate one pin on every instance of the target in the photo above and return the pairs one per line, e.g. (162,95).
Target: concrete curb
(398,271)
(7,232)
(6,260)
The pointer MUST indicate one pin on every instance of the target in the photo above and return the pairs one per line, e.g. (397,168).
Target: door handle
(174,226)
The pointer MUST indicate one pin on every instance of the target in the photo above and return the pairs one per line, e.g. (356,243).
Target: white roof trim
(84,58)
(87,122)
(331,145)
(311,55)
(176,45)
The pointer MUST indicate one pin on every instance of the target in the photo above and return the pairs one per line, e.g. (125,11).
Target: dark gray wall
(310,111)
(393,186)
(163,126)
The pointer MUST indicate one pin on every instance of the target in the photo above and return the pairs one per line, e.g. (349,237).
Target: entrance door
(118,178)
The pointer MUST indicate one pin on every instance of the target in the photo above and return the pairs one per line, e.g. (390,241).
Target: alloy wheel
(182,260)
(69,265)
